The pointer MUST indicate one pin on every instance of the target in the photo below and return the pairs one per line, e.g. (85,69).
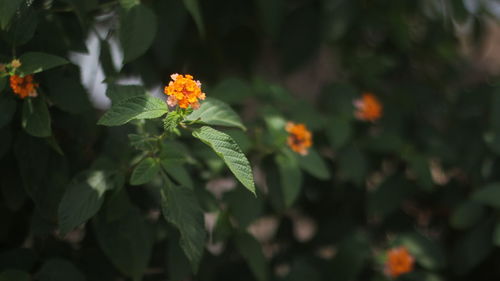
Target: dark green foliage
(147,191)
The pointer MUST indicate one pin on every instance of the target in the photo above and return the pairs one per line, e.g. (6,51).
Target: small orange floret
(399,261)
(184,91)
(368,108)
(23,86)
(299,138)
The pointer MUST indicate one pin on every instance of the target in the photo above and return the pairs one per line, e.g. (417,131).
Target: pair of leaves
(149,167)
(132,102)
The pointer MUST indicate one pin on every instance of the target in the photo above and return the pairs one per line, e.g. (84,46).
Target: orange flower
(399,261)
(368,108)
(184,91)
(23,86)
(300,138)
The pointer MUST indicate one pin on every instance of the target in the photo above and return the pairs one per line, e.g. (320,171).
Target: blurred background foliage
(423,176)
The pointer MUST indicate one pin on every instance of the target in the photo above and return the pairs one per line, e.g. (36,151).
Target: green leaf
(276,126)
(467,215)
(145,171)
(60,270)
(36,118)
(193,8)
(313,164)
(217,113)
(178,172)
(106,61)
(178,265)
(82,199)
(117,93)
(68,94)
(137,31)
(488,195)
(232,91)
(290,176)
(242,139)
(143,142)
(138,107)
(171,122)
(181,208)
(174,151)
(8,9)
(126,241)
(496,234)
(339,131)
(427,253)
(14,275)
(127,4)
(352,164)
(472,248)
(251,251)
(243,206)
(36,62)
(22,26)
(227,149)
(8,108)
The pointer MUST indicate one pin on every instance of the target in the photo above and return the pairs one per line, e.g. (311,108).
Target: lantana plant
(185,110)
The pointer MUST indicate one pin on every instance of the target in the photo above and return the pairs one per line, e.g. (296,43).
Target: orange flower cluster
(368,108)
(399,261)
(300,138)
(184,91)
(23,86)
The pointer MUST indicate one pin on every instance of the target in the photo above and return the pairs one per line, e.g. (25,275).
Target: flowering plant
(249,140)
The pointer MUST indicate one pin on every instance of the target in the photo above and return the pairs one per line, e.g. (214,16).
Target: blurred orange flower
(184,91)
(299,138)
(399,261)
(23,86)
(368,107)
